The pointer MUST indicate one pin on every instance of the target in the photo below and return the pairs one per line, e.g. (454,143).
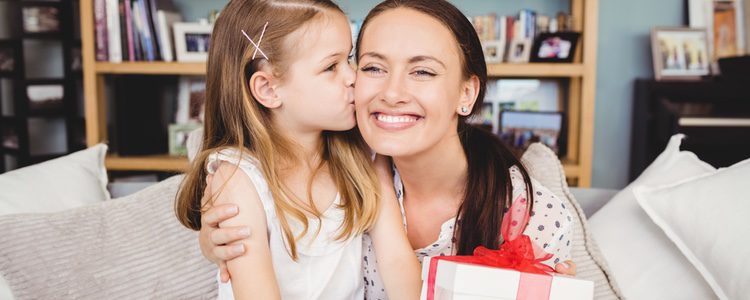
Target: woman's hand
(567,268)
(213,240)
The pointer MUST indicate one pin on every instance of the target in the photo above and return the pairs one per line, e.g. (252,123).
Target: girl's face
(317,91)
(409,83)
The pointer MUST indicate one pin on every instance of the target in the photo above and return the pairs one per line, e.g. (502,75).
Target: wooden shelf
(163,163)
(535,70)
(572,170)
(153,68)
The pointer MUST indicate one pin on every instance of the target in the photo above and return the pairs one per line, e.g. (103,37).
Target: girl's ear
(469,93)
(263,89)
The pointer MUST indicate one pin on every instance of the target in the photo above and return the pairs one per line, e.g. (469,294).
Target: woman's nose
(395,90)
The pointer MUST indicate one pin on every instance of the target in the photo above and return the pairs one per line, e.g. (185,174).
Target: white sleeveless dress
(326,268)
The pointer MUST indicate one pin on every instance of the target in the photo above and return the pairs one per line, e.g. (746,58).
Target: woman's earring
(464,110)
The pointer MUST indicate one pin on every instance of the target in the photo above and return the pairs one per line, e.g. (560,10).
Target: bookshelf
(580,111)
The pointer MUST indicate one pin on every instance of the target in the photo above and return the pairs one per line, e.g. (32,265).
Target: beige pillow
(128,248)
(544,166)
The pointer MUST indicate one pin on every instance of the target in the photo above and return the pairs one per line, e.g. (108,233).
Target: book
(123,30)
(165,19)
(100,30)
(113,31)
(129,29)
(142,23)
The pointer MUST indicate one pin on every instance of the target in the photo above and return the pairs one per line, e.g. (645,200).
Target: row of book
(526,25)
(134,30)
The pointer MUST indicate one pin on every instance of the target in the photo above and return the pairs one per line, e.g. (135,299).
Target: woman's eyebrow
(421,58)
(373,54)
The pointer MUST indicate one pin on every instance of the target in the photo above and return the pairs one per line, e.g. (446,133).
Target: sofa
(132,247)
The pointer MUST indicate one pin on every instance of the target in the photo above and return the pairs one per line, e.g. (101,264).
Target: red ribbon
(517,254)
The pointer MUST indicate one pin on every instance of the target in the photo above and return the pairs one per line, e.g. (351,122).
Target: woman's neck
(437,173)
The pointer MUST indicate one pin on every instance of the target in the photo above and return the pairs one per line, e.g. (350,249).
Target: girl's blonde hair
(234,119)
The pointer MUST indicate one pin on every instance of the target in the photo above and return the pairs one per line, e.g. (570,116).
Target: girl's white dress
(326,268)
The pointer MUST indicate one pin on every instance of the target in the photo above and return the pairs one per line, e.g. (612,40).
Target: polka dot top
(550,228)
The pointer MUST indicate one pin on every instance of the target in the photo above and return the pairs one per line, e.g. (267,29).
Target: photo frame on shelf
(519,51)
(519,129)
(192,41)
(725,25)
(41,17)
(680,53)
(10,53)
(178,136)
(494,51)
(557,47)
(45,96)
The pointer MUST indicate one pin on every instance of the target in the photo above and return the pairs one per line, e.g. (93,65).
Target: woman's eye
(372,69)
(424,73)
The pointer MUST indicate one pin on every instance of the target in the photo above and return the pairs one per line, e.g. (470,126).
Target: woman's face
(409,83)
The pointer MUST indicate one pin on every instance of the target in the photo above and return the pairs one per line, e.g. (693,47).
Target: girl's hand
(213,240)
(567,268)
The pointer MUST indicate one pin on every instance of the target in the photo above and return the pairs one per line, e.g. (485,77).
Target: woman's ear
(469,93)
(263,89)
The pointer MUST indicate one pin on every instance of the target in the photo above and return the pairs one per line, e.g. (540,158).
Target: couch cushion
(706,218)
(128,248)
(645,262)
(544,166)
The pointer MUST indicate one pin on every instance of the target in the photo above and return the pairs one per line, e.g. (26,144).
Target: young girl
(278,141)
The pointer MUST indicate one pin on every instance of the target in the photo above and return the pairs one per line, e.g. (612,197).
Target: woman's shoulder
(519,183)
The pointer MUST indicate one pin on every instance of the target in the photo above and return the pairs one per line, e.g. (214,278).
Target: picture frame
(45,96)
(519,51)
(192,41)
(555,47)
(9,54)
(41,18)
(494,51)
(680,53)
(724,22)
(519,129)
(178,136)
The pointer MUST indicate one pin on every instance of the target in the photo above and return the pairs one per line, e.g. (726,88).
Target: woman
(421,75)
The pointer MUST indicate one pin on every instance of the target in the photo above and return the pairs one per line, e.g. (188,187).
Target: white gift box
(461,281)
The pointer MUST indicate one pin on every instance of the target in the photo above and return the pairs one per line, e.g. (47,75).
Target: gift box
(467,281)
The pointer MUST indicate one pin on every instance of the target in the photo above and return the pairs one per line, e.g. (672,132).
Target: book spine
(100,21)
(166,45)
(146,38)
(129,29)
(154,27)
(113,30)
(123,30)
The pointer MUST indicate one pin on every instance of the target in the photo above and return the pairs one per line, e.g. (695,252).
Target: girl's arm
(397,263)
(253,276)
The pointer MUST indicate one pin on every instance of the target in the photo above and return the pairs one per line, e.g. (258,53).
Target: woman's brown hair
(234,119)
(488,188)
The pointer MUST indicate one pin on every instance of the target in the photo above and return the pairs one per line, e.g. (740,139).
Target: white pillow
(706,217)
(646,264)
(70,181)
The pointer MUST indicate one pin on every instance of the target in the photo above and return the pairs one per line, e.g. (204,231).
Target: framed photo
(178,136)
(494,51)
(41,18)
(680,53)
(519,51)
(519,129)
(192,41)
(45,96)
(724,21)
(558,47)
(191,99)
(9,54)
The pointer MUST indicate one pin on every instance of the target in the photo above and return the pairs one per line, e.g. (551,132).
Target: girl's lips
(395,122)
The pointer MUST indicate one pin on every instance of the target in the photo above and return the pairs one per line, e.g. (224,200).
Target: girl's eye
(331,67)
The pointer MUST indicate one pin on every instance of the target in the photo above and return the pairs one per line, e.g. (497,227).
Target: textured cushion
(544,166)
(645,262)
(706,218)
(129,248)
(70,181)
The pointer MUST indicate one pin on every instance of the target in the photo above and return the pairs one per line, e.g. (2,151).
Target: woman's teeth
(396,119)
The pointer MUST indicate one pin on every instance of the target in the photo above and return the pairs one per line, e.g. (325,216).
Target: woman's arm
(397,263)
(252,273)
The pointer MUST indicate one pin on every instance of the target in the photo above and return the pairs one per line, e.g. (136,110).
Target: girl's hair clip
(257,46)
